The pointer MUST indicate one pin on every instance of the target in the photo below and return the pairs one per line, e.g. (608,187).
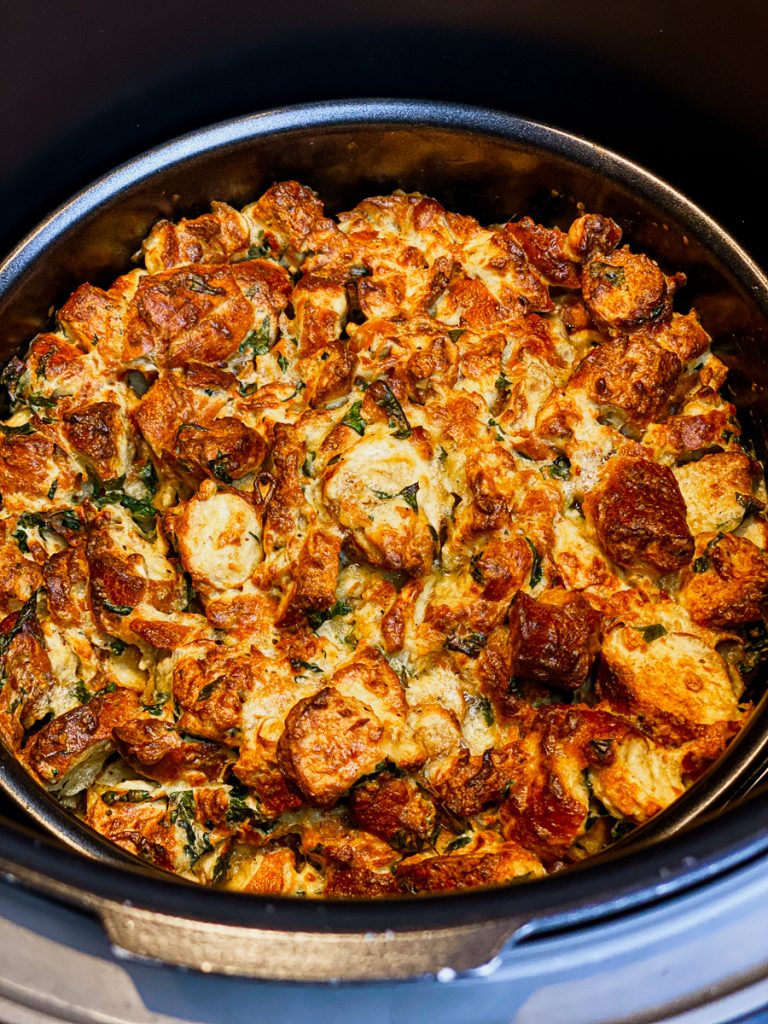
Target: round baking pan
(494,166)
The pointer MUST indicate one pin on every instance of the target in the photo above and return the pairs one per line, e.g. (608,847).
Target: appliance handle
(272,954)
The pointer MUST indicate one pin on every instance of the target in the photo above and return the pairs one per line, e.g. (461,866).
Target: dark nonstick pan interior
(490,165)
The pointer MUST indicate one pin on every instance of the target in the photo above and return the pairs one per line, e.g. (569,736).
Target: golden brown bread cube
(632,375)
(329,742)
(624,290)
(728,585)
(58,747)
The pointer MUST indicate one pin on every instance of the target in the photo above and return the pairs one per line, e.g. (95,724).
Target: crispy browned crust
(375,555)
(640,516)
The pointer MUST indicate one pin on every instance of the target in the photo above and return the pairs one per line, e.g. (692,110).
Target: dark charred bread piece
(553,640)
(639,515)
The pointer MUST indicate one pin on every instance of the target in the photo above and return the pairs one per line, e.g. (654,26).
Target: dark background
(679,85)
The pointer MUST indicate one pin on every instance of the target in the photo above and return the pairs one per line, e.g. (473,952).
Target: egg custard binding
(375,555)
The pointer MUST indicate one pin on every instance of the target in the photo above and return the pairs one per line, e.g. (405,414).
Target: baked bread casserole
(375,555)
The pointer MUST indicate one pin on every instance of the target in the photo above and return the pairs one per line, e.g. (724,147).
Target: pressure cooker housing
(493,166)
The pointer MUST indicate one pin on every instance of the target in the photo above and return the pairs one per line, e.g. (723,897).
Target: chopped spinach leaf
(117,609)
(317,618)
(218,468)
(389,403)
(466,643)
(457,843)
(258,340)
(310,666)
(126,796)
(536,568)
(652,632)
(408,494)
(353,419)
(81,691)
(221,869)
(156,709)
(22,430)
(40,402)
(561,468)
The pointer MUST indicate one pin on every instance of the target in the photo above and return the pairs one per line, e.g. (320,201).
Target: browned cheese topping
(375,555)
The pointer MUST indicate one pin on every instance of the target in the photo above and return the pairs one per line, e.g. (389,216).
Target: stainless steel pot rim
(609,885)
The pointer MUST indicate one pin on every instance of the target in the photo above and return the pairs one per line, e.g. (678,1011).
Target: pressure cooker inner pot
(490,166)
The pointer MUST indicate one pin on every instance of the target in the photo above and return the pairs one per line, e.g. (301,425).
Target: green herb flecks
(116,609)
(652,632)
(502,383)
(458,843)
(536,565)
(607,272)
(218,468)
(310,666)
(353,419)
(317,618)
(259,340)
(561,468)
(466,643)
(387,401)
(701,564)
(81,692)
(126,796)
